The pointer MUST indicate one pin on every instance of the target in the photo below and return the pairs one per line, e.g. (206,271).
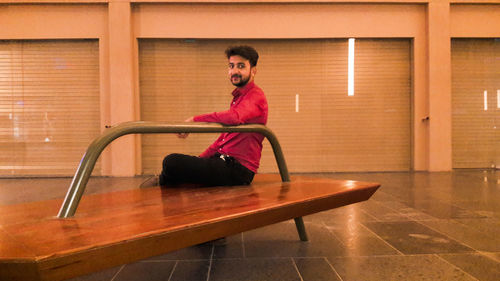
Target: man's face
(240,71)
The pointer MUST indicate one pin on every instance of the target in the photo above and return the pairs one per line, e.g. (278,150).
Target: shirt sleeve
(249,108)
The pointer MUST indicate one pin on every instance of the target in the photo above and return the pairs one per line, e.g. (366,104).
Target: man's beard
(242,82)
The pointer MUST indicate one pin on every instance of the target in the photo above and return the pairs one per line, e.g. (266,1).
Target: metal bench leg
(301,229)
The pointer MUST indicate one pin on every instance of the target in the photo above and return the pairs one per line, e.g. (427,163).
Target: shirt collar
(245,89)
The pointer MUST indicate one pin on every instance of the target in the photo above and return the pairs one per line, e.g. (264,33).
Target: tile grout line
(444,234)
(457,221)
(383,240)
(396,211)
(333,268)
(459,268)
(211,261)
(333,234)
(297,269)
(172,260)
(341,242)
(449,237)
(484,254)
(172,272)
(370,215)
(118,272)
(442,201)
(243,245)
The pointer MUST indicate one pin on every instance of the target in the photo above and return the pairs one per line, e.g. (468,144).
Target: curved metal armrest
(88,161)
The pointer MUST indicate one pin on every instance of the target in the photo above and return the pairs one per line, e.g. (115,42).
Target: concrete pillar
(439,63)
(121,88)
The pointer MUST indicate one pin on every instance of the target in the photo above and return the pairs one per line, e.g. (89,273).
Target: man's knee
(172,165)
(171,160)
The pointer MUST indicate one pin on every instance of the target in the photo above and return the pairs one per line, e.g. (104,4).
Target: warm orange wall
(277,20)
(52,21)
(118,24)
(475,20)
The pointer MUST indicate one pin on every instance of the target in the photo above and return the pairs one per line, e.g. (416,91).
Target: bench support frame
(82,175)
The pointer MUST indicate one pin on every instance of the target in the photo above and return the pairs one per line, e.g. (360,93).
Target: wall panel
(51,21)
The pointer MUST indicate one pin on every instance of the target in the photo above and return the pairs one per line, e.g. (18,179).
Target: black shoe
(150,182)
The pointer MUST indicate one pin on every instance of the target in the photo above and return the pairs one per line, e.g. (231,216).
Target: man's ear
(253,71)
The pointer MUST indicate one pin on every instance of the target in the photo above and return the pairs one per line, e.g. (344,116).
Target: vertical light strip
(297,103)
(485,100)
(498,98)
(350,68)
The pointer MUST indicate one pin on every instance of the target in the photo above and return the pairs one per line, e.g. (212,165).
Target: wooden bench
(114,228)
(121,227)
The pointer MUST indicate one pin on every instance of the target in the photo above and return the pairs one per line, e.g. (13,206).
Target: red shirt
(249,106)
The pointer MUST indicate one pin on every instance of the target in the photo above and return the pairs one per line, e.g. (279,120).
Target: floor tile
(414,238)
(197,252)
(105,275)
(382,196)
(488,209)
(445,211)
(396,268)
(471,235)
(190,271)
(381,212)
(358,240)
(141,271)
(349,212)
(493,256)
(407,211)
(229,247)
(487,226)
(281,240)
(316,269)
(254,269)
(477,265)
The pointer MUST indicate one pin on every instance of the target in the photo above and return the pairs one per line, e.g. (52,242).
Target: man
(233,159)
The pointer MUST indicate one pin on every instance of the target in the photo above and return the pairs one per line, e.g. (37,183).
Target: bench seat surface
(120,227)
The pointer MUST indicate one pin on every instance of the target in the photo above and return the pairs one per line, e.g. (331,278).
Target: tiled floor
(417,226)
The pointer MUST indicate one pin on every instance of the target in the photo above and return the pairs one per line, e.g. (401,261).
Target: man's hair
(246,52)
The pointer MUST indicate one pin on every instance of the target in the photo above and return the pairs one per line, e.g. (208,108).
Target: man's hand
(185,135)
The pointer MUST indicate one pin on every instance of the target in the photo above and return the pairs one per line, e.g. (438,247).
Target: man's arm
(241,113)
(211,150)
(185,135)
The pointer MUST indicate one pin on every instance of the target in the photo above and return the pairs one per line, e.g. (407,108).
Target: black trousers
(213,171)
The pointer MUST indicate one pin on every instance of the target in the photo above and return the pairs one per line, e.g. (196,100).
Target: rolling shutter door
(475,103)
(49,105)
(372,128)
(320,128)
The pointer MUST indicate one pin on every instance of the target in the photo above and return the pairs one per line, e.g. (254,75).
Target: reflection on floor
(418,226)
